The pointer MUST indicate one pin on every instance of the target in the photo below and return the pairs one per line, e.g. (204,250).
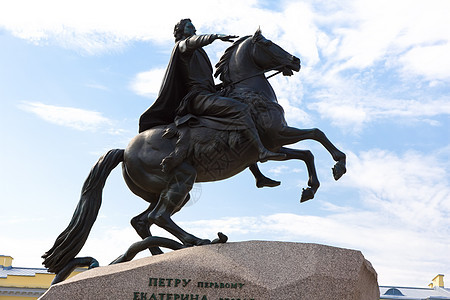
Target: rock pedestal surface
(256,270)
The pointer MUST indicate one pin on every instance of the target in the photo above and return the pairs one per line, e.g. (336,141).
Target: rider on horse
(188,98)
(189,101)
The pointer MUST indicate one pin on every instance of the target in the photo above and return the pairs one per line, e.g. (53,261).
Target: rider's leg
(237,115)
(251,132)
(261,180)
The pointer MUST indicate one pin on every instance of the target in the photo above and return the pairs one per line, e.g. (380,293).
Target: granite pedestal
(256,270)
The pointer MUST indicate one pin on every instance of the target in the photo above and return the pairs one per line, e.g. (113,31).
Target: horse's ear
(257,35)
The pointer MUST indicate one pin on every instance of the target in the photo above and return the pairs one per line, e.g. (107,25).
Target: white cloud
(351,34)
(427,61)
(352,103)
(91,26)
(283,169)
(409,188)
(279,169)
(358,41)
(103,25)
(97,86)
(409,37)
(289,91)
(26,251)
(76,118)
(148,83)
(344,115)
(369,31)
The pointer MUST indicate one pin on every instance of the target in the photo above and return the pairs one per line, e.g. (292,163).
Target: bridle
(257,74)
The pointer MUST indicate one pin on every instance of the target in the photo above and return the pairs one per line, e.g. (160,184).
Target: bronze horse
(214,155)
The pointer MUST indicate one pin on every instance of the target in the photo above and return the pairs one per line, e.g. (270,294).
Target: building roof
(4,272)
(409,293)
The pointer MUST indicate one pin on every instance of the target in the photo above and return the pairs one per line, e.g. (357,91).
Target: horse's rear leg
(290,135)
(141,224)
(171,200)
(308,158)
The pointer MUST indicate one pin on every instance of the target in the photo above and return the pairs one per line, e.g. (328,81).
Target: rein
(257,74)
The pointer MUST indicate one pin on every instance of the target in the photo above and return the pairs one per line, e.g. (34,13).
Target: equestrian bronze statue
(196,132)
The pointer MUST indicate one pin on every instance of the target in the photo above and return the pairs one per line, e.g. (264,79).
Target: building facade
(18,283)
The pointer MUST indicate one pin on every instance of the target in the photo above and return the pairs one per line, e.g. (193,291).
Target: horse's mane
(222,68)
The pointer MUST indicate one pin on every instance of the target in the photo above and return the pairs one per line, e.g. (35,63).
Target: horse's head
(253,55)
(269,56)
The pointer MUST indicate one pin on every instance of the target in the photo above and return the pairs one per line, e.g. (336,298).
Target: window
(393,291)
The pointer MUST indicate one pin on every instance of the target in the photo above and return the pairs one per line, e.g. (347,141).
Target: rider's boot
(176,157)
(261,180)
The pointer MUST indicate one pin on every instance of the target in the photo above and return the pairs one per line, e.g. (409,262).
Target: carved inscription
(219,285)
(186,284)
(168,282)
(163,296)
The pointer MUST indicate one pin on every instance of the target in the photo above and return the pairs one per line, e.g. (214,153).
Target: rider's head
(183,29)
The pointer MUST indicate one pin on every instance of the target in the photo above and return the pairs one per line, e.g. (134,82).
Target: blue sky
(76,75)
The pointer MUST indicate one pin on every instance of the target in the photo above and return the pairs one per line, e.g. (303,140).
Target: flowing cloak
(164,109)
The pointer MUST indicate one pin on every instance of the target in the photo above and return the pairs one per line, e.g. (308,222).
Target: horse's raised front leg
(171,200)
(308,158)
(290,135)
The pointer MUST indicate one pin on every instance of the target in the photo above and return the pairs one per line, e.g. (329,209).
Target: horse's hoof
(307,194)
(221,240)
(339,169)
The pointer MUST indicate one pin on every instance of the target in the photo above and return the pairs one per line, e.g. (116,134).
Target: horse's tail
(72,239)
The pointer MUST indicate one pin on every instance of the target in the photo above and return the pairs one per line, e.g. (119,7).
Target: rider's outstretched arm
(261,180)
(198,41)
